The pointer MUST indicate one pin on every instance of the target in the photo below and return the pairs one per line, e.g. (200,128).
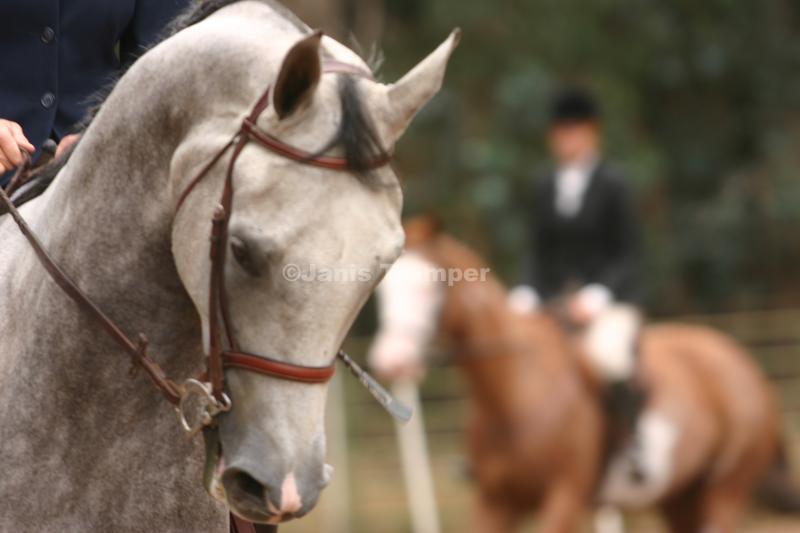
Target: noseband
(207,390)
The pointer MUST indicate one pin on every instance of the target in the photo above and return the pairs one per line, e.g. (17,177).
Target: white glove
(594,299)
(523,299)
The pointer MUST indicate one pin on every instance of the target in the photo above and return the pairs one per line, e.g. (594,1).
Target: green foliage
(700,104)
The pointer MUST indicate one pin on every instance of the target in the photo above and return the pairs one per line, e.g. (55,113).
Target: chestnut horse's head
(410,300)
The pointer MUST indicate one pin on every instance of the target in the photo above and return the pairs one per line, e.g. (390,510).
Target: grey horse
(82,446)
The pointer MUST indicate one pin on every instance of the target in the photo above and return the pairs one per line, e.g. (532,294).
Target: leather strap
(279,369)
(221,332)
(17,178)
(202,173)
(218,309)
(239,525)
(137,350)
(301,156)
(218,304)
(329,66)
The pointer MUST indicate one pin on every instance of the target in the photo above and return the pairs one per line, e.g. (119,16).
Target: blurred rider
(585,228)
(55,54)
(585,249)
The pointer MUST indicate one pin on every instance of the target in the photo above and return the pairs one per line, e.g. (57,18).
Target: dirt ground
(367,494)
(757,522)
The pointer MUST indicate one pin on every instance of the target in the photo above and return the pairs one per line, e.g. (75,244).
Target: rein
(224,352)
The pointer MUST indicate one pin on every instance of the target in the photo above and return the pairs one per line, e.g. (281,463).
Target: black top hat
(573,104)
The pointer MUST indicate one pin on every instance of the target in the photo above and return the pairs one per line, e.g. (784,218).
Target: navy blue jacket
(54,54)
(600,244)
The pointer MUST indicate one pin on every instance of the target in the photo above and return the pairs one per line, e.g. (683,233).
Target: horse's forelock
(356,134)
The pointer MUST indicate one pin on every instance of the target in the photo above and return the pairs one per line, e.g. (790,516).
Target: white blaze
(409,300)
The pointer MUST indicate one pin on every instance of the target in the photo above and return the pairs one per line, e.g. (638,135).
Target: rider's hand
(66,143)
(12,143)
(589,302)
(523,299)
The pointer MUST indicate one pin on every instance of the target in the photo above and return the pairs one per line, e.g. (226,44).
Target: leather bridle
(209,387)
(224,351)
(219,319)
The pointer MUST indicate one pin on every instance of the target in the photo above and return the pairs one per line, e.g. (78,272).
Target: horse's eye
(241,252)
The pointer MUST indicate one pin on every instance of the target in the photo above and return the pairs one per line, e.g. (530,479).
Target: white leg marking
(656,437)
(409,300)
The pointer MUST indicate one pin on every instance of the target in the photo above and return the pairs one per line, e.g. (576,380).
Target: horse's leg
(562,510)
(713,510)
(683,510)
(726,501)
(726,498)
(495,517)
(723,511)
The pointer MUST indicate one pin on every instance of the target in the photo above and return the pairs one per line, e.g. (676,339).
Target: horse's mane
(201,10)
(356,134)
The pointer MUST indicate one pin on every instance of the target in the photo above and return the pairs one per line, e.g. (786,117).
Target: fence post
(337,501)
(416,462)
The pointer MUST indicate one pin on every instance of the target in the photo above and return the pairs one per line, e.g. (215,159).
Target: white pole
(416,464)
(608,519)
(337,508)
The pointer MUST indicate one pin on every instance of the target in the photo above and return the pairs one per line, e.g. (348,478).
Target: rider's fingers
(9,147)
(19,135)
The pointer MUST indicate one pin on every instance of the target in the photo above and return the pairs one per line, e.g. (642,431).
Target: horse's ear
(415,89)
(422,228)
(298,77)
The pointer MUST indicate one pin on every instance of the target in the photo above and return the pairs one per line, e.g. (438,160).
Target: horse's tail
(778,491)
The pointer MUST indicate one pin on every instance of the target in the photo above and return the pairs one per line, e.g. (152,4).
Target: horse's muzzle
(255,497)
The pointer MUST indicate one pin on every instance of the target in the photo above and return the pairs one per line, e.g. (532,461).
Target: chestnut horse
(536,434)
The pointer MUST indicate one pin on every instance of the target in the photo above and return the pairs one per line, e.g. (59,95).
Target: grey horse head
(86,449)
(307,245)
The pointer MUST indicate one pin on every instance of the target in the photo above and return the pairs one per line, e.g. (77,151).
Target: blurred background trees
(701,104)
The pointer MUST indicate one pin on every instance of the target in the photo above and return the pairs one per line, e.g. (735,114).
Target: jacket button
(48,35)
(48,99)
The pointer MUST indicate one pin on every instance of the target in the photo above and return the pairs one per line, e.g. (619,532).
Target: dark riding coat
(600,244)
(55,53)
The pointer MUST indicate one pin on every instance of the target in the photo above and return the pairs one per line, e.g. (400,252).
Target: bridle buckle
(198,406)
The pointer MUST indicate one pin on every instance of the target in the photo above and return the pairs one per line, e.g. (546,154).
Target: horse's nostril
(249,486)
(245,491)
(258,501)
